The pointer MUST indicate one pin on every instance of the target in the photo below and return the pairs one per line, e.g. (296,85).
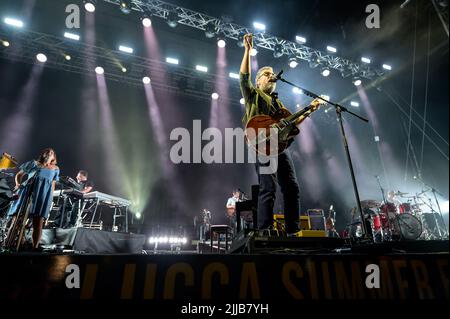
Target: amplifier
(316,219)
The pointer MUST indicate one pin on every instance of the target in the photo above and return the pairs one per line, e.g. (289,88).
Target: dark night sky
(57,109)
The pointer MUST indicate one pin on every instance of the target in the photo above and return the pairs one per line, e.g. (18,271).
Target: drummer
(392,198)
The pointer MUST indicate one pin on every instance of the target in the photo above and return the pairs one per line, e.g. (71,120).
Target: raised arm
(245,80)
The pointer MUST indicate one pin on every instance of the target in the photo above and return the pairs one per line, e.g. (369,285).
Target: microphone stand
(434,191)
(339,110)
(381,187)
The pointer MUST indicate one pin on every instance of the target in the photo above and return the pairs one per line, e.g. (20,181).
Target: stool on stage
(219,229)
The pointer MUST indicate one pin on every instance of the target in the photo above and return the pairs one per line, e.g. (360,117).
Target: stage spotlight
(146,22)
(253,52)
(325,71)
(71,36)
(125,6)
(146,80)
(278,51)
(41,57)
(300,39)
(297,90)
(376,138)
(331,49)
(5,43)
(201,68)
(89,5)
(172,19)
(293,62)
(259,26)
(171,60)
(138,215)
(210,30)
(221,41)
(242,101)
(99,70)
(215,96)
(387,67)
(355,104)
(124,69)
(125,49)
(325,97)
(240,40)
(357,81)
(233,75)
(67,57)
(365,60)
(13,22)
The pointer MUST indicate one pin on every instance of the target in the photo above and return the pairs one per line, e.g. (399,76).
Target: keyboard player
(72,209)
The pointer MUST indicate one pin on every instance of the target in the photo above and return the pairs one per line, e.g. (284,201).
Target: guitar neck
(305,112)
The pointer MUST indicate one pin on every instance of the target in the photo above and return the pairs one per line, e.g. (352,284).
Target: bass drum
(407,226)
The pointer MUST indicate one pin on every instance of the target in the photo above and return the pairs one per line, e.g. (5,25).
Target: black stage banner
(206,277)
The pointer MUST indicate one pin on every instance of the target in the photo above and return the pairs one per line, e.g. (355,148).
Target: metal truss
(24,45)
(441,8)
(233,31)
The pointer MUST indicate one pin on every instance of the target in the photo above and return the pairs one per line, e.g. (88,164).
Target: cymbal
(398,193)
(370,203)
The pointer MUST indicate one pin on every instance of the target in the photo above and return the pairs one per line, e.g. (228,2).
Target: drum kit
(402,217)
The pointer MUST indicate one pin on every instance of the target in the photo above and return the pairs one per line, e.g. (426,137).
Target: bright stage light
(71,36)
(357,81)
(125,6)
(172,60)
(201,68)
(300,39)
(387,67)
(259,26)
(89,5)
(293,63)
(146,22)
(138,215)
(41,57)
(125,49)
(297,90)
(124,69)
(67,57)
(215,96)
(221,43)
(146,80)
(99,70)
(5,43)
(253,52)
(242,101)
(376,138)
(331,49)
(365,60)
(325,97)
(13,22)
(355,104)
(325,72)
(233,75)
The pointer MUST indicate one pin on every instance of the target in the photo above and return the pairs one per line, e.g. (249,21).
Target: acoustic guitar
(270,135)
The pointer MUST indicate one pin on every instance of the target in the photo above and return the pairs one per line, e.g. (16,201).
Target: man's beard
(268,87)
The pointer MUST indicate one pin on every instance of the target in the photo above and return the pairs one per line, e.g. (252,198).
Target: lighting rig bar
(233,31)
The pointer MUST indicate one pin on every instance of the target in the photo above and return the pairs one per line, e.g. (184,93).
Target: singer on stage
(261,99)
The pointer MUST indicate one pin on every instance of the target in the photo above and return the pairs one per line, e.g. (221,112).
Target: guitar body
(257,133)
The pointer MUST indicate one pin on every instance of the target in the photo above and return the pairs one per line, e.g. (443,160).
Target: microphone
(277,77)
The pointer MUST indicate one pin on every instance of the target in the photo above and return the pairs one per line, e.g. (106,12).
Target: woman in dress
(39,177)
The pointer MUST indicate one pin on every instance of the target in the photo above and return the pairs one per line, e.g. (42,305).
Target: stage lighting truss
(117,67)
(264,40)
